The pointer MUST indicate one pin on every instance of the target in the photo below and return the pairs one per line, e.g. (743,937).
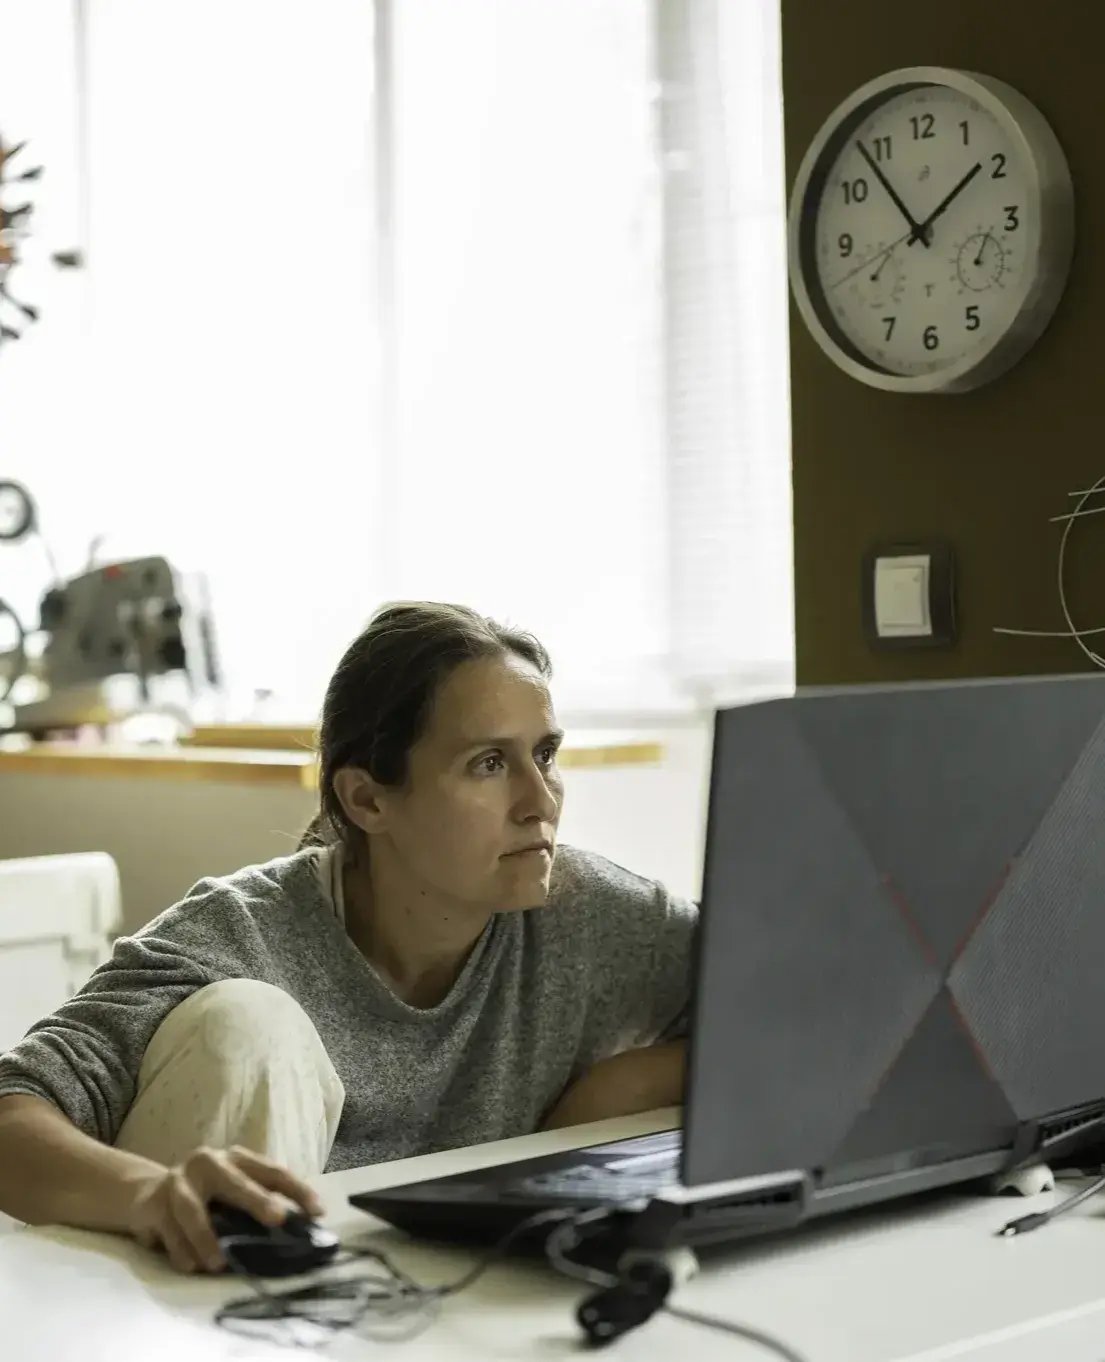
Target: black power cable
(388,1299)
(393,1305)
(638,1292)
(397,1306)
(1036,1219)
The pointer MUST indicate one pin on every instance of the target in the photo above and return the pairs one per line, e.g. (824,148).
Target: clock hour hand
(923,232)
(877,171)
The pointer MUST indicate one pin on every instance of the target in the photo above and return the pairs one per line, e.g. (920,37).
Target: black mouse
(299,1244)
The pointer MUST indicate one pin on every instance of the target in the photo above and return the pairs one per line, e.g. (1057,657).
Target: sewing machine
(117,637)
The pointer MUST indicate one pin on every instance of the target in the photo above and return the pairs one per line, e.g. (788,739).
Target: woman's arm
(636,1080)
(51,1173)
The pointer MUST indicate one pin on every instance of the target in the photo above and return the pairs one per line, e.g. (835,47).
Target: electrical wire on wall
(1071,631)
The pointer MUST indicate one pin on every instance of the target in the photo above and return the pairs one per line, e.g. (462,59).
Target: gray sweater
(602,968)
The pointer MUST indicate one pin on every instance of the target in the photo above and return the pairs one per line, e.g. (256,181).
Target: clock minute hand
(921,233)
(877,171)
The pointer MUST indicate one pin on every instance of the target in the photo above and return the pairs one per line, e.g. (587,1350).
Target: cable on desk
(641,1289)
(396,1307)
(1024,1223)
(388,1302)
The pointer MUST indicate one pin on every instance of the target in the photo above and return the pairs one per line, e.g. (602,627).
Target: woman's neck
(414,937)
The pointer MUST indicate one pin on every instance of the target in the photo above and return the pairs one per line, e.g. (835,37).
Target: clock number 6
(931,338)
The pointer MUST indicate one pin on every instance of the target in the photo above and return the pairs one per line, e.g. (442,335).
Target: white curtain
(592,429)
(226,377)
(41,392)
(727,397)
(527,476)
(587,408)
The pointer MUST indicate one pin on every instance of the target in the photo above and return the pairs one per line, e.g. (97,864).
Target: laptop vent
(1052,1131)
(762,1201)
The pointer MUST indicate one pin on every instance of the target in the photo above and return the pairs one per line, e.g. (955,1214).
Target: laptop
(899,981)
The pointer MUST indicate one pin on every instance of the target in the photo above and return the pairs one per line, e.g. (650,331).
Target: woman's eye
(548,755)
(491,764)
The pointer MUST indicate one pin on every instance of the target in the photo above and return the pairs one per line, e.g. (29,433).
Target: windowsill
(291,765)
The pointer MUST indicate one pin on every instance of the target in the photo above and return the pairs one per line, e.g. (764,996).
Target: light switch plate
(908,595)
(902,596)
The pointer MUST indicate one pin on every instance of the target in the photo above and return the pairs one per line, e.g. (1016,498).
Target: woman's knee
(233,1020)
(238,1062)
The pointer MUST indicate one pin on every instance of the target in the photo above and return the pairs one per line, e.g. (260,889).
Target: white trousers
(238,1062)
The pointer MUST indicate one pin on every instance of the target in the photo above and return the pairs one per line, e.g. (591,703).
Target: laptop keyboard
(627,1179)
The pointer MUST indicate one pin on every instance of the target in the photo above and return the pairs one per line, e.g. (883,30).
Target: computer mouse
(299,1244)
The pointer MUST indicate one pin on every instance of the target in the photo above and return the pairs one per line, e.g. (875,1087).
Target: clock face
(920,301)
(923,232)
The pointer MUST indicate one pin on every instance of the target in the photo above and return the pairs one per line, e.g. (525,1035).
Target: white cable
(1095,658)
(1072,631)
(1049,633)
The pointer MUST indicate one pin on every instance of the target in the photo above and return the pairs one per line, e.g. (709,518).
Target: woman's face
(478,815)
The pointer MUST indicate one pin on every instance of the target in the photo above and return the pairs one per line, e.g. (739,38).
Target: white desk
(923,1284)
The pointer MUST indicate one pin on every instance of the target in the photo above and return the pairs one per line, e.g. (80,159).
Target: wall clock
(931,229)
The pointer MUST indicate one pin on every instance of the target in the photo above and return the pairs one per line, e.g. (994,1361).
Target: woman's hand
(170,1208)
(636,1080)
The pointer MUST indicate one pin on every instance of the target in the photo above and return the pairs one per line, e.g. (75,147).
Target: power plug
(681,1263)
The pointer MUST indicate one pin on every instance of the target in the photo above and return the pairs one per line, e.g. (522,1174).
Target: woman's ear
(361,798)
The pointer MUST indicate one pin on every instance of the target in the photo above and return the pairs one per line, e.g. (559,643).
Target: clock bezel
(1049,181)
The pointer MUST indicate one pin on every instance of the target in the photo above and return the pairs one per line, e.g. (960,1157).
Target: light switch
(902,596)
(908,594)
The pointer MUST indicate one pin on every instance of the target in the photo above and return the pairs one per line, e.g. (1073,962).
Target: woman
(428,970)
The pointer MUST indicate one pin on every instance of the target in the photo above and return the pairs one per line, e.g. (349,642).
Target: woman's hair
(379,698)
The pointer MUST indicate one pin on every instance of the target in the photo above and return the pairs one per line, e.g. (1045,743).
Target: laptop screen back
(902,954)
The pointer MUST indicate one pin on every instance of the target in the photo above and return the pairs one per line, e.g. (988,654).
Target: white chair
(58,915)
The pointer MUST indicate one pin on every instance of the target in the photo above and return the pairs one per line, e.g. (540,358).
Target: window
(527,293)
(227,375)
(728,428)
(590,424)
(571,279)
(39,374)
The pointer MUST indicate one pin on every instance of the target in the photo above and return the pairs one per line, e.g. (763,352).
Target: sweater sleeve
(85,1057)
(671,923)
(638,939)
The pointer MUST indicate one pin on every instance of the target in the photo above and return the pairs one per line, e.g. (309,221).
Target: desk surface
(928,1282)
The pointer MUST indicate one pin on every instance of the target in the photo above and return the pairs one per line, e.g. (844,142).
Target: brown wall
(983,469)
